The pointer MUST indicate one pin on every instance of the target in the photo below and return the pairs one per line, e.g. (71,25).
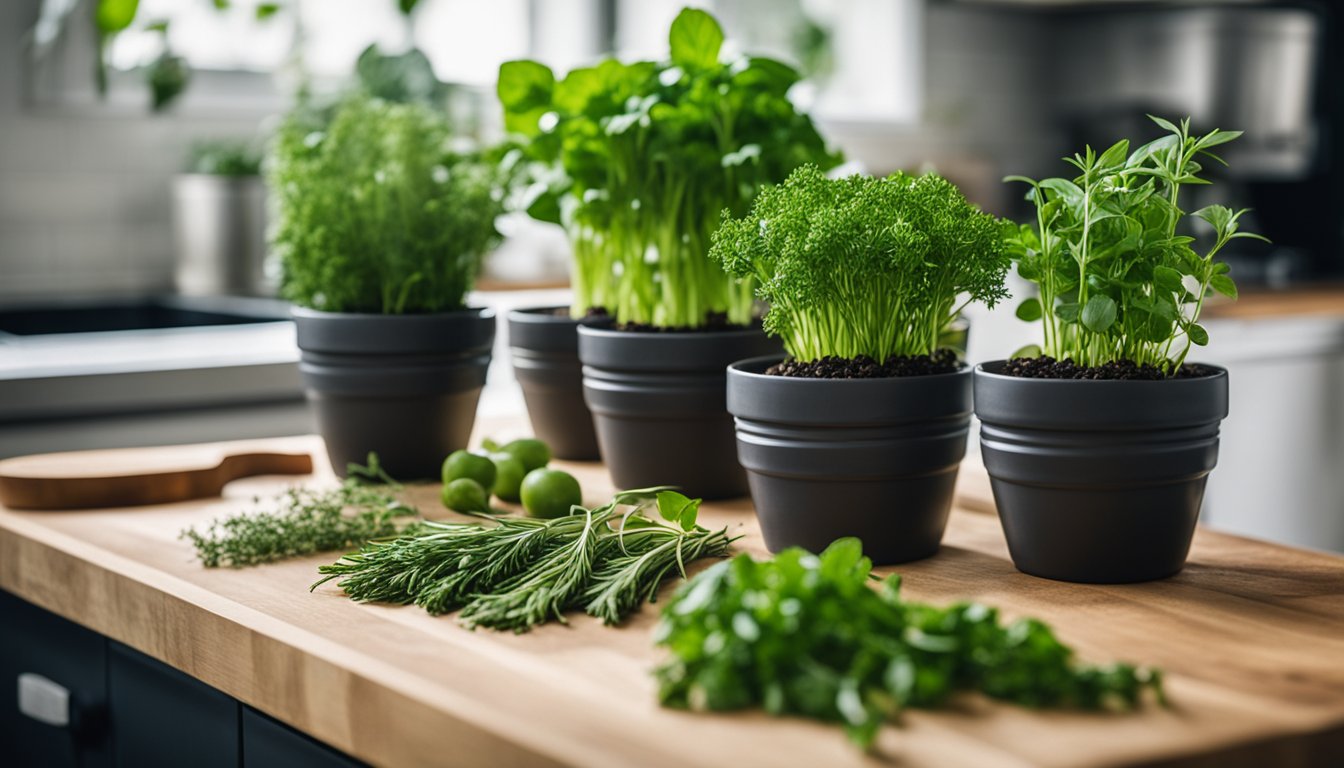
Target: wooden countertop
(1264,303)
(1251,636)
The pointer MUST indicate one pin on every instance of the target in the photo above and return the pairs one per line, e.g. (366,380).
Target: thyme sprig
(516,573)
(306,521)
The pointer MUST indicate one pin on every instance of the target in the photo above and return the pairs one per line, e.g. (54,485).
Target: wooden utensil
(139,476)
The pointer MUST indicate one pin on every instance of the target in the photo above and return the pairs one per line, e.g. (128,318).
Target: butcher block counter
(1250,635)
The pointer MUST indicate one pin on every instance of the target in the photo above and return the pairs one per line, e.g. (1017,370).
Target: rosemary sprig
(513,574)
(307,521)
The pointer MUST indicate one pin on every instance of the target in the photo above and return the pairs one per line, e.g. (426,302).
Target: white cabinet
(1280,473)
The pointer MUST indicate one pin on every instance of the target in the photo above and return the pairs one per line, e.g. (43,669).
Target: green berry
(550,493)
(462,464)
(465,495)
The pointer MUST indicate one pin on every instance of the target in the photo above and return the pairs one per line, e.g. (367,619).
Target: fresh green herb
(376,213)
(639,159)
(307,521)
(1118,279)
(807,635)
(224,157)
(864,266)
(516,573)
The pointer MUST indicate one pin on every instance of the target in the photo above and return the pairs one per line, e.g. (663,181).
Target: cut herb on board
(307,521)
(516,573)
(807,635)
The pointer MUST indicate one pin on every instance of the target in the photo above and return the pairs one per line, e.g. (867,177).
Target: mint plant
(376,213)
(863,266)
(1119,275)
(636,160)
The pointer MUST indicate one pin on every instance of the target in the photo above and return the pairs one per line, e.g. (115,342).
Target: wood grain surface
(1251,636)
(1262,303)
(85,479)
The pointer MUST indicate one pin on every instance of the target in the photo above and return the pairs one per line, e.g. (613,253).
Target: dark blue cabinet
(123,709)
(56,654)
(268,743)
(162,717)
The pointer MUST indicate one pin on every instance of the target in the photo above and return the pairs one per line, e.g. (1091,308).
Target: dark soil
(864,367)
(714,321)
(1116,370)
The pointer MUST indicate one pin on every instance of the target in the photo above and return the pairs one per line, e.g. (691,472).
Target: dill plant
(376,213)
(636,160)
(1119,275)
(864,266)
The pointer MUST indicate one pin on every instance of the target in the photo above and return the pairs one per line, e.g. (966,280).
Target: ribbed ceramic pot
(658,404)
(872,458)
(1099,481)
(544,350)
(403,386)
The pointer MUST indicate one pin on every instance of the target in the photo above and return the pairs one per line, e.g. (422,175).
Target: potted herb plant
(643,156)
(381,233)
(1098,449)
(219,221)
(861,430)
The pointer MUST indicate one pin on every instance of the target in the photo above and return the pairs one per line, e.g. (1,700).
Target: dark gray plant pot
(1098,481)
(659,407)
(405,386)
(544,348)
(872,458)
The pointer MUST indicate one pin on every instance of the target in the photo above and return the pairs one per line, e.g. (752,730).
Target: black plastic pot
(872,458)
(544,348)
(659,407)
(404,386)
(1098,481)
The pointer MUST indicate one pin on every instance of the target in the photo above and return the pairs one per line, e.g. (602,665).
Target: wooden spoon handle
(18,491)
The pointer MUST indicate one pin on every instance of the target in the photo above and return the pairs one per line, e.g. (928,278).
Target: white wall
(84,190)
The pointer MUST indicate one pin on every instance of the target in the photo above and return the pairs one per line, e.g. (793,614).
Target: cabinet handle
(43,700)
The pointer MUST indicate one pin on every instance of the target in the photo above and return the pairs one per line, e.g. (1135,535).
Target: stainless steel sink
(154,313)
(157,370)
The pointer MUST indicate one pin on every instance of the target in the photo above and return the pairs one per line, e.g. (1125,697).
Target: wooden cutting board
(98,479)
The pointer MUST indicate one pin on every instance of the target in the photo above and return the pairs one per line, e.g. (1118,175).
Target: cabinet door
(62,660)
(268,743)
(162,717)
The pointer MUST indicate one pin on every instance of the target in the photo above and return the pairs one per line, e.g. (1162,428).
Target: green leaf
(1224,285)
(1099,313)
(1218,216)
(524,85)
(1218,137)
(1115,155)
(113,16)
(678,509)
(1168,279)
(267,10)
(407,6)
(1029,310)
(1165,125)
(1070,193)
(1031,350)
(695,39)
(1197,334)
(222,5)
